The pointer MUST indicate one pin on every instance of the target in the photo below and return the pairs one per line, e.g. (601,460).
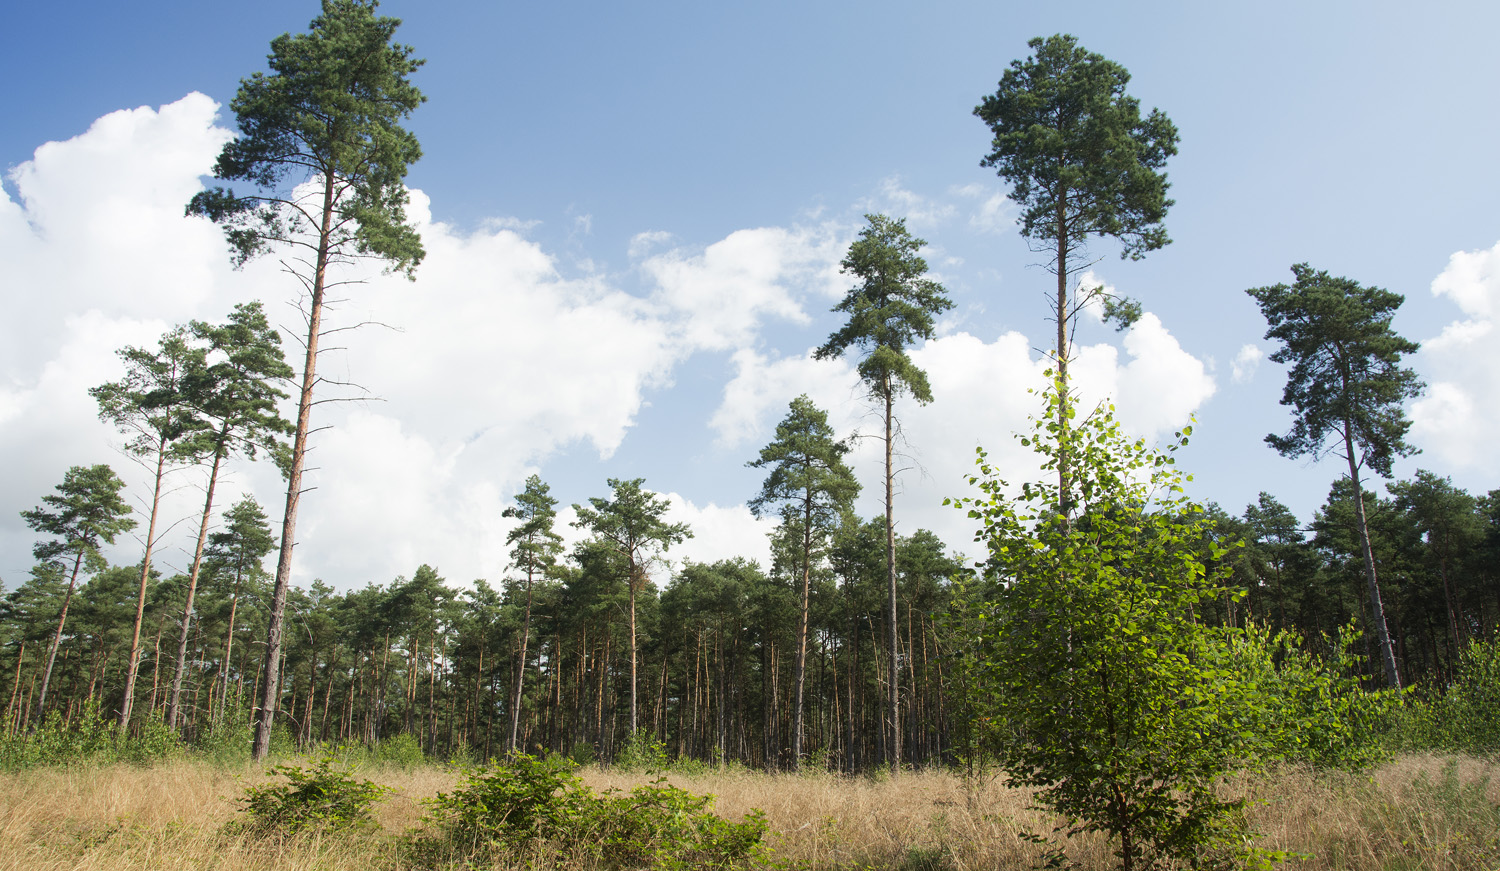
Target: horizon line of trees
(542,661)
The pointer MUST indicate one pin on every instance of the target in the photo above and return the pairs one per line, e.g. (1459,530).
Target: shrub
(401,751)
(642,752)
(320,797)
(1305,708)
(540,807)
(88,740)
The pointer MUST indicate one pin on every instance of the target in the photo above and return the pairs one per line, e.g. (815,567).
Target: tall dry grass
(1423,811)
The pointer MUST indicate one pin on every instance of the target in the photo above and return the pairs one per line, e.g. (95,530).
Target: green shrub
(88,740)
(1305,708)
(320,797)
(540,808)
(400,751)
(642,752)
(1473,701)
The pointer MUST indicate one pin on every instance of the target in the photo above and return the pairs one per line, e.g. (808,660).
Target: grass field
(1419,812)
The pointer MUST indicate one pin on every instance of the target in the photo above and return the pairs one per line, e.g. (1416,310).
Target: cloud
(719,533)
(495,361)
(980,399)
(921,213)
(1245,363)
(1456,419)
(994,214)
(718,297)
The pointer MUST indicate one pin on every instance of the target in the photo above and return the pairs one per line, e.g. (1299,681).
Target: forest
(1103,639)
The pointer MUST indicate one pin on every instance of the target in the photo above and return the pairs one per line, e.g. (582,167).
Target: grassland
(1418,812)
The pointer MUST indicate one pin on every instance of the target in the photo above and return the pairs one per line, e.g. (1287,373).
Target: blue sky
(637,213)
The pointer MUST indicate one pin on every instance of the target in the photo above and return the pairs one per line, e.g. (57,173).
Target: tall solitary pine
(891,309)
(321,144)
(1346,386)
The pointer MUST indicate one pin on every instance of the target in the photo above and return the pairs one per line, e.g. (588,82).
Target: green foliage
(401,750)
(88,740)
(891,309)
(1081,162)
(540,808)
(320,797)
(330,110)
(1098,685)
(1304,708)
(1474,698)
(1459,718)
(87,511)
(1345,377)
(1080,158)
(642,752)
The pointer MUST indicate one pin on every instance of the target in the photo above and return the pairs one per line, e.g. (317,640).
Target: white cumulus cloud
(1456,419)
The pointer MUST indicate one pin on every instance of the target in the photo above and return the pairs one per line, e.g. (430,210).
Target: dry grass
(1423,811)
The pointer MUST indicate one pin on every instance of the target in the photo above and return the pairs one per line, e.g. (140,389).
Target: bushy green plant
(1473,701)
(153,741)
(642,752)
(658,825)
(1306,708)
(319,797)
(88,740)
(1099,688)
(225,742)
(540,807)
(400,751)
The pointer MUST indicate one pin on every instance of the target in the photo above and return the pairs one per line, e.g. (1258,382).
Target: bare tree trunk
(234,604)
(187,610)
(632,582)
(515,708)
(140,603)
(1377,610)
(267,713)
(41,701)
(799,676)
(893,710)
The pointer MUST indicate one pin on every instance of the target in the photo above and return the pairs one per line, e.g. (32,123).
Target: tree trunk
(234,604)
(187,611)
(267,712)
(800,673)
(515,708)
(1063,478)
(1377,610)
(41,700)
(893,742)
(631,582)
(140,603)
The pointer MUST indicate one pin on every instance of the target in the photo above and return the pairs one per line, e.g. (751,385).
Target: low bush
(89,739)
(1305,708)
(540,808)
(642,752)
(319,797)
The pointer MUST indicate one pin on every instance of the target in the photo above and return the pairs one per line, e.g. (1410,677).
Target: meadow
(1419,811)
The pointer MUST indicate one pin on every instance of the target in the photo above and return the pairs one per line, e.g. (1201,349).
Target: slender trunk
(515,707)
(41,700)
(1453,635)
(1063,477)
(187,610)
(800,673)
(893,743)
(267,712)
(234,604)
(633,570)
(140,603)
(15,689)
(1377,610)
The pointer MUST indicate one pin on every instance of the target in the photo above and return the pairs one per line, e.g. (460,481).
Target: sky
(634,216)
